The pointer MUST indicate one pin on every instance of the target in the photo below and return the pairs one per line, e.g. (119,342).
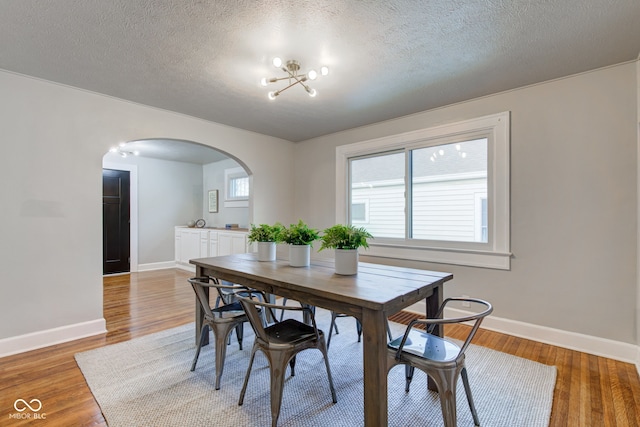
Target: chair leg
(246,377)
(333,324)
(240,333)
(278,368)
(467,389)
(292,364)
(446,380)
(325,351)
(408,372)
(284,302)
(222,334)
(203,335)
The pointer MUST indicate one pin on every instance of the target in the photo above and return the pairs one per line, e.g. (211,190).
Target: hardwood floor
(590,390)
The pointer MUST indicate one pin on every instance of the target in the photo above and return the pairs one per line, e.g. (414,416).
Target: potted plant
(345,239)
(266,236)
(299,237)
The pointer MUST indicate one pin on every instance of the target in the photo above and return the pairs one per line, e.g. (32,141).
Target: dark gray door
(115,221)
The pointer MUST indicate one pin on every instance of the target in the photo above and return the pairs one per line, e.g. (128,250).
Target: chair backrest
(250,302)
(201,287)
(431,323)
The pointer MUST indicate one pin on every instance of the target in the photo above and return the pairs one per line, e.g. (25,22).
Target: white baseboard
(597,346)
(157,266)
(35,340)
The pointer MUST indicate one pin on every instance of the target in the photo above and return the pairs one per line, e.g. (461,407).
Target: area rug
(147,382)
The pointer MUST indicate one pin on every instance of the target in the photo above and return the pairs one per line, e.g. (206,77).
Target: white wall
(169,194)
(213,175)
(54,138)
(573,201)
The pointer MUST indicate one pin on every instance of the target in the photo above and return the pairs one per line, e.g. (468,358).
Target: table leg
(433,302)
(375,367)
(199,316)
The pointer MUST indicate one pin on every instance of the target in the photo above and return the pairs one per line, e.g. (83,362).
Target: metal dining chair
(335,315)
(441,359)
(281,342)
(222,320)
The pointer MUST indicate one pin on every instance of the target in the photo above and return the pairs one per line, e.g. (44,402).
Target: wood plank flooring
(590,390)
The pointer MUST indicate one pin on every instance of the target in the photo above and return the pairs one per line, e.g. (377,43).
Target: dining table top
(375,286)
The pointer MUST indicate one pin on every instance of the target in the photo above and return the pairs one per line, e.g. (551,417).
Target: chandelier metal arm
(291,69)
(294,76)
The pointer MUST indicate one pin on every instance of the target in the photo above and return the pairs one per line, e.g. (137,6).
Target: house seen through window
(438,194)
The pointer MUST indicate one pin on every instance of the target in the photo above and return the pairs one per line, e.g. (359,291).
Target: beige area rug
(147,382)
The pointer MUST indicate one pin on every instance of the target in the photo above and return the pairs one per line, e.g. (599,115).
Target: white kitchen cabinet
(213,243)
(190,243)
(231,242)
(193,243)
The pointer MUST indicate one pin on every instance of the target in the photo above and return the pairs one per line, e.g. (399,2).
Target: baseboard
(45,338)
(597,346)
(157,266)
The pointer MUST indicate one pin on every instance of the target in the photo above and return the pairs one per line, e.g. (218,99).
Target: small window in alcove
(236,183)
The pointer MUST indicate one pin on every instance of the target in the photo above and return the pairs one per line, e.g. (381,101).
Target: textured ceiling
(387,58)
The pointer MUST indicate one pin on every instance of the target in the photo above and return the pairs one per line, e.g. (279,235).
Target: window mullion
(408,189)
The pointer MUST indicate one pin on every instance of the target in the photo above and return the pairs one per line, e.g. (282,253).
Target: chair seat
(229,311)
(289,331)
(427,346)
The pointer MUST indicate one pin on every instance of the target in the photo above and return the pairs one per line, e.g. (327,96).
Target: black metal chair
(222,320)
(440,359)
(335,315)
(281,342)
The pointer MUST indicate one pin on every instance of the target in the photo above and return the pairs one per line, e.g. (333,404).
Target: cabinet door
(232,243)
(204,244)
(189,245)
(177,249)
(225,244)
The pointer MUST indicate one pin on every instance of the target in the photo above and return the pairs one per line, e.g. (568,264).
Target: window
(236,188)
(438,194)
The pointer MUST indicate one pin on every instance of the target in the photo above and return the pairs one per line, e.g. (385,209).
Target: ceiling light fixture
(122,152)
(292,67)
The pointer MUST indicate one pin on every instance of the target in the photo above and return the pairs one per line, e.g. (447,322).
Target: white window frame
(229,201)
(496,252)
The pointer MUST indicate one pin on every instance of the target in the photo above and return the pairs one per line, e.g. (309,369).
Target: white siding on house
(443,208)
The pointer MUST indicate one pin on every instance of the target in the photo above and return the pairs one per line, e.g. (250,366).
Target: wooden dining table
(375,293)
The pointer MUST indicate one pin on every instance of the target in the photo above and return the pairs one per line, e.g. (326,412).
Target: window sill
(471,258)
(236,203)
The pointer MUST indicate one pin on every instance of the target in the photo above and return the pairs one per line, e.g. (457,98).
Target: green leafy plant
(299,234)
(266,233)
(345,237)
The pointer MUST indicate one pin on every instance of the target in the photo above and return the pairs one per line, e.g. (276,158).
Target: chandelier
(292,67)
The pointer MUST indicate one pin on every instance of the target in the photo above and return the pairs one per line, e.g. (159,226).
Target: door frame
(133,209)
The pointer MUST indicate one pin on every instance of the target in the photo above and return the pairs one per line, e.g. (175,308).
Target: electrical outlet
(465,304)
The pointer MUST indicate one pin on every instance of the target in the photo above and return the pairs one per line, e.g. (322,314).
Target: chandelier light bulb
(293,75)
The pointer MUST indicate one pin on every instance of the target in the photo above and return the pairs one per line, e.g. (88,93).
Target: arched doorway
(170,181)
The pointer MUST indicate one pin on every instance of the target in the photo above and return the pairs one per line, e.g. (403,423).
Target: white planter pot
(266,251)
(299,255)
(346,262)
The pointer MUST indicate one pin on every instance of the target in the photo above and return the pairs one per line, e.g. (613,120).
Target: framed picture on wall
(213,200)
